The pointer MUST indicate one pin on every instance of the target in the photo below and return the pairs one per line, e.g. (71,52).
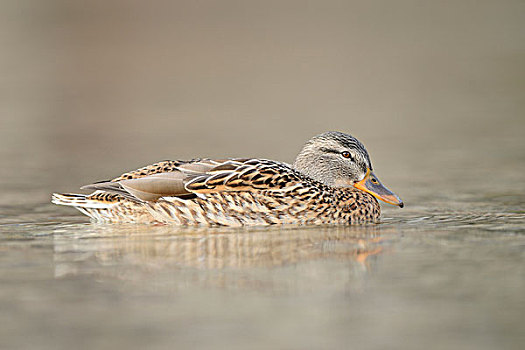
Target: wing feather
(199,176)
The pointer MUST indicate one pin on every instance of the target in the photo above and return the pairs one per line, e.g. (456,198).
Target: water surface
(452,274)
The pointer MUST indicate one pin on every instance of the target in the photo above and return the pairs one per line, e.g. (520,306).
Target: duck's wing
(186,178)
(250,174)
(167,166)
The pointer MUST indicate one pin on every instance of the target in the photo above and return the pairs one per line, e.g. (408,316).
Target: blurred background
(434,89)
(89,90)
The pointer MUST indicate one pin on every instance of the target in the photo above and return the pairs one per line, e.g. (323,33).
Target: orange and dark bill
(372,185)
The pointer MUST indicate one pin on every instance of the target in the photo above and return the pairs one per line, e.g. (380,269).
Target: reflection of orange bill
(372,185)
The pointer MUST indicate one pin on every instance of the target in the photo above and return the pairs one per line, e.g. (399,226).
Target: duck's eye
(346,154)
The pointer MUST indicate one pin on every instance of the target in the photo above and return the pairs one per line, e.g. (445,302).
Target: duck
(331,182)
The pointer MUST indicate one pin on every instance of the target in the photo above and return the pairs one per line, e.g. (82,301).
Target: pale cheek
(343,183)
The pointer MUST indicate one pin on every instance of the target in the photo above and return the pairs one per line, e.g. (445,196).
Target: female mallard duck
(330,182)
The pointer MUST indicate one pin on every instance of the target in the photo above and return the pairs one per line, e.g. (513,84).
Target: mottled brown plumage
(236,192)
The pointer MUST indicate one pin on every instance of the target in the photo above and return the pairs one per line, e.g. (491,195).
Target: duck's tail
(105,207)
(82,202)
(79,200)
(90,205)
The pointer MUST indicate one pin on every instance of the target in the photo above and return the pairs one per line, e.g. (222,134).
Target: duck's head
(340,160)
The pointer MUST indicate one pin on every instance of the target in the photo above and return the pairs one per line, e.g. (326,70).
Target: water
(444,274)
(90,92)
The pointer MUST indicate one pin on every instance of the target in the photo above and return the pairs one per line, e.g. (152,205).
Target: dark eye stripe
(329,150)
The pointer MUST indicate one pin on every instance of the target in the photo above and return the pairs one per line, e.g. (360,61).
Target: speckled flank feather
(318,189)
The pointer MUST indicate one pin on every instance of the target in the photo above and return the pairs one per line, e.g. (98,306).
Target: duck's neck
(314,167)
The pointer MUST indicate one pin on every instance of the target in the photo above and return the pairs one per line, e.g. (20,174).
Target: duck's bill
(372,185)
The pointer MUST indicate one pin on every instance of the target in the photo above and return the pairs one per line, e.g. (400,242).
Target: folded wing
(185,179)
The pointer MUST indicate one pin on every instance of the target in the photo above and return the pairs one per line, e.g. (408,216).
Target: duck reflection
(212,255)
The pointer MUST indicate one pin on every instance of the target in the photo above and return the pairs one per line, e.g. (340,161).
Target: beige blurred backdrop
(90,89)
